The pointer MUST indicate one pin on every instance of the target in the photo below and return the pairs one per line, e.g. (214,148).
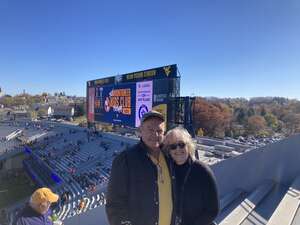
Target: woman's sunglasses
(174,146)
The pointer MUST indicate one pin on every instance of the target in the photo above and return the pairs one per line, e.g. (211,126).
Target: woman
(195,193)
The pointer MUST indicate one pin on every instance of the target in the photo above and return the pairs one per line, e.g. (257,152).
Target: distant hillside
(260,116)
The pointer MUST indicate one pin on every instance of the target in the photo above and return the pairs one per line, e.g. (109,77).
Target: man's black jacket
(132,192)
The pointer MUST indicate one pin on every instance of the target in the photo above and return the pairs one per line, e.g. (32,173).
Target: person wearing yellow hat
(38,211)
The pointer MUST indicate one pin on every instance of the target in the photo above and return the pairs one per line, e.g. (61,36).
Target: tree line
(215,117)
(233,117)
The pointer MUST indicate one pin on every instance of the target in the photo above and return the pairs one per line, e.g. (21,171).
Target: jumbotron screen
(123,99)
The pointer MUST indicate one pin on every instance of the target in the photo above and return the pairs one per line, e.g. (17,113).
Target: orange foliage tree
(256,124)
(213,118)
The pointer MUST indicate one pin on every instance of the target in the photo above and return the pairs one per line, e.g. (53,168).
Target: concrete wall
(279,161)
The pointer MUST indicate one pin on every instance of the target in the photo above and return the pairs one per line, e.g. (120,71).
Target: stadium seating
(287,208)
(82,160)
(240,213)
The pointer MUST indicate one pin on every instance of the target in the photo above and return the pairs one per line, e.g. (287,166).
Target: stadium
(258,184)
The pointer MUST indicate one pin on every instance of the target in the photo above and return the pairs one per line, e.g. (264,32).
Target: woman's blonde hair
(187,139)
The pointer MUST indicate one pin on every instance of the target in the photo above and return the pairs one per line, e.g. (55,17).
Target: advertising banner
(116,104)
(91,104)
(144,93)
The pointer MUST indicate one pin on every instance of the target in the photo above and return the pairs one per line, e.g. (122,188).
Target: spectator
(63,199)
(81,205)
(196,198)
(37,212)
(139,189)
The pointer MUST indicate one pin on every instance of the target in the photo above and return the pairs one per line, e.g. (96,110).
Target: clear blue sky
(232,48)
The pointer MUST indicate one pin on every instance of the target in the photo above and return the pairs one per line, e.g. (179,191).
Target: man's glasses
(174,146)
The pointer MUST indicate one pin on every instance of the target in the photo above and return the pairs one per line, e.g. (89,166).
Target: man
(139,190)
(38,212)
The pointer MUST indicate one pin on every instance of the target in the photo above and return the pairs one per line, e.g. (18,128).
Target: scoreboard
(123,99)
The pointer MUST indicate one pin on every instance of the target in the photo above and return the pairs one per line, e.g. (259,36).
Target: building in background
(63,111)
(1,92)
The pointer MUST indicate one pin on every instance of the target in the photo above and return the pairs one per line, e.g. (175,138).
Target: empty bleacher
(269,204)
(261,186)
(288,206)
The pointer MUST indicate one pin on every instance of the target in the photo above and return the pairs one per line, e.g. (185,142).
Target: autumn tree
(212,118)
(292,123)
(240,114)
(256,124)
(271,121)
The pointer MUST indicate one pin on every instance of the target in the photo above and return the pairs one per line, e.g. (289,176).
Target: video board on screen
(115,104)
(124,99)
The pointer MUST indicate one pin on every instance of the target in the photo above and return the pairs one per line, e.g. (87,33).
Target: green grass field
(13,190)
